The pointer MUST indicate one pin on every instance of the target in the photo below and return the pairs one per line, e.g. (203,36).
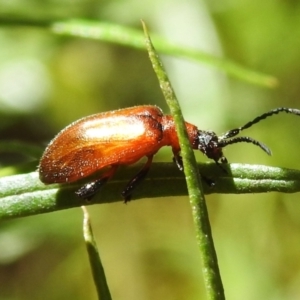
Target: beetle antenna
(234,132)
(245,139)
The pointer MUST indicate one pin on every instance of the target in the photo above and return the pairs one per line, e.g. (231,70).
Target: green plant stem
(24,195)
(94,258)
(210,268)
(134,38)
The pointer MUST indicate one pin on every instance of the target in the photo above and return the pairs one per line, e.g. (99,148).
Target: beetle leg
(178,161)
(223,161)
(131,185)
(89,190)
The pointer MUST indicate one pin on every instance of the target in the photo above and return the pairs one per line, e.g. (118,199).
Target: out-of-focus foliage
(148,247)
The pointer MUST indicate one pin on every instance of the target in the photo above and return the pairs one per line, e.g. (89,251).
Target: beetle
(122,137)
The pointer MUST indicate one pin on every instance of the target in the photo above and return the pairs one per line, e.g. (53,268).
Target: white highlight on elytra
(115,129)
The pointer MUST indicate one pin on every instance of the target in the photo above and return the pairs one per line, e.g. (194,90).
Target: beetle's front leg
(177,159)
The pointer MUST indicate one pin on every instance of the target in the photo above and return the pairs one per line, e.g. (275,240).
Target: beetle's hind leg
(89,190)
(132,184)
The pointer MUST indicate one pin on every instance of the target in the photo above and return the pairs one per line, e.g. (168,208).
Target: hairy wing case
(94,143)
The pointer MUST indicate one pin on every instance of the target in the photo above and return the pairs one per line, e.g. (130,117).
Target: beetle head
(212,145)
(208,143)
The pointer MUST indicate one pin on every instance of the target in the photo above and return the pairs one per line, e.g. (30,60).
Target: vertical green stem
(95,261)
(212,278)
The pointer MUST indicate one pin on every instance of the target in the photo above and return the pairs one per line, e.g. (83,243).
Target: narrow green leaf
(130,37)
(210,268)
(94,257)
(24,195)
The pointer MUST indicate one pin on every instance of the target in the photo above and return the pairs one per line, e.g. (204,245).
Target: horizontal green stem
(24,195)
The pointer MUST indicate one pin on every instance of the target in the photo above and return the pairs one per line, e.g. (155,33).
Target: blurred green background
(148,247)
